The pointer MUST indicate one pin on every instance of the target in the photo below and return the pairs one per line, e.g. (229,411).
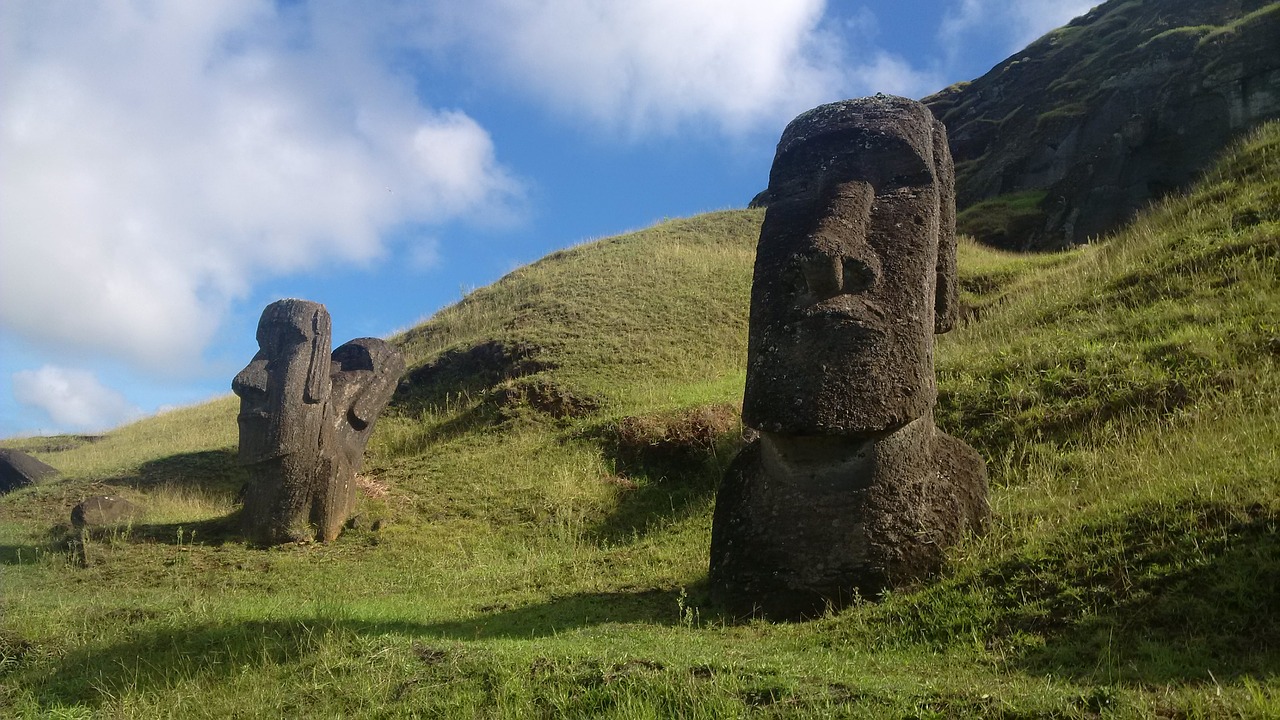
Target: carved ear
(318,367)
(946,302)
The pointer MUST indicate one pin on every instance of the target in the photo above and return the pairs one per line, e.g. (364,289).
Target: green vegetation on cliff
(545,481)
(1124,105)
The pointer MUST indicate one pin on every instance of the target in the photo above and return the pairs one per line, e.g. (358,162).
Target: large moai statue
(305,417)
(849,489)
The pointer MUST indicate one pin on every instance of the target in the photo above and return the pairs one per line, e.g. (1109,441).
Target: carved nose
(252,379)
(823,274)
(828,275)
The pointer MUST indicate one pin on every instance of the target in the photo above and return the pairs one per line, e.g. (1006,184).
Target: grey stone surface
(305,417)
(104,510)
(365,373)
(850,489)
(854,271)
(18,470)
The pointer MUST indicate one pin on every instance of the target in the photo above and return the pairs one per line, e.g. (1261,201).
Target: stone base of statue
(804,524)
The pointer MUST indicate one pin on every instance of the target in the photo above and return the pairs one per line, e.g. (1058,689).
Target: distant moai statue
(305,418)
(849,489)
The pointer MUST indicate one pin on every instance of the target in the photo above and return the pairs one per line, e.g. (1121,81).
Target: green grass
(1266,13)
(1004,221)
(545,505)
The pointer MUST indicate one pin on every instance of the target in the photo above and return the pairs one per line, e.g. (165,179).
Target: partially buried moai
(305,417)
(849,489)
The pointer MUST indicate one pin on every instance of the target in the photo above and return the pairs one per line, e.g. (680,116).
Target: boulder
(104,510)
(18,470)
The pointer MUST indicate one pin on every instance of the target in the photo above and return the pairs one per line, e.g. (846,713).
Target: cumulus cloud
(1012,23)
(72,398)
(646,66)
(888,73)
(157,158)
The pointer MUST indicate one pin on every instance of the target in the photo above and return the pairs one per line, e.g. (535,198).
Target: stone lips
(283,388)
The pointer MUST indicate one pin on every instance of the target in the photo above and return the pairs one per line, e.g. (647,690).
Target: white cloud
(1014,23)
(72,398)
(157,158)
(891,74)
(654,66)
(424,255)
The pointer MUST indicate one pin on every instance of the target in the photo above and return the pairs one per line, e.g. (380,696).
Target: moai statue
(849,489)
(305,417)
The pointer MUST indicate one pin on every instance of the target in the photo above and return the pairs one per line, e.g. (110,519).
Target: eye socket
(913,179)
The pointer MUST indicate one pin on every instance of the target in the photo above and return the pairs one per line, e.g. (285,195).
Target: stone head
(284,388)
(364,374)
(854,272)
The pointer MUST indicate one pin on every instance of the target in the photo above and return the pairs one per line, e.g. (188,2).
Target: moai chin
(305,417)
(850,489)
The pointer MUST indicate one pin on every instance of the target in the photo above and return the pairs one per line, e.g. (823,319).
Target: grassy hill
(543,484)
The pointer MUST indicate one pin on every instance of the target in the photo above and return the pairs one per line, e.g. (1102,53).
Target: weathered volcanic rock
(1121,106)
(18,470)
(104,510)
(792,538)
(305,417)
(849,489)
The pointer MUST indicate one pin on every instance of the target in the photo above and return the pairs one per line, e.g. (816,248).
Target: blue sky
(167,168)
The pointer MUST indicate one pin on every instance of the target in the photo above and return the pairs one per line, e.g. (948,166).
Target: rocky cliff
(1066,139)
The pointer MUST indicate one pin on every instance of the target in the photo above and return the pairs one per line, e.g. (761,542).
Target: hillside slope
(1067,138)
(545,476)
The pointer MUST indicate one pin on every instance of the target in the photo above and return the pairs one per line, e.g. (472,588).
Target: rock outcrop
(850,488)
(18,470)
(1066,139)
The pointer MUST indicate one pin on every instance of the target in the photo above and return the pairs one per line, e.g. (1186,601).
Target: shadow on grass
(1212,620)
(213,531)
(150,661)
(652,607)
(669,465)
(1155,596)
(654,498)
(24,554)
(207,470)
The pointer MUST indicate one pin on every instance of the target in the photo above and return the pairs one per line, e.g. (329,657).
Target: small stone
(104,510)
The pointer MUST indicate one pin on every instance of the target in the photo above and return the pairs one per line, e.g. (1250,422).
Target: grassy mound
(544,479)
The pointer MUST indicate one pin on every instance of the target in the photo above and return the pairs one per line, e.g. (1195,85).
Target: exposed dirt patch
(372,487)
(681,437)
(546,397)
